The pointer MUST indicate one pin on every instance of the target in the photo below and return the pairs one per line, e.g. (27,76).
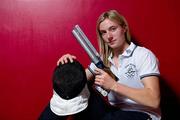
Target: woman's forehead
(107,23)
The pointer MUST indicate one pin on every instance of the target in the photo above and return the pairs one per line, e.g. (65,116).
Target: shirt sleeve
(148,64)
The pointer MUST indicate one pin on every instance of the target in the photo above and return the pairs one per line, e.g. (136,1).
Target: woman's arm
(149,95)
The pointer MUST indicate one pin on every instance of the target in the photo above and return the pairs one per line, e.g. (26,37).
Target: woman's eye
(113,28)
(103,32)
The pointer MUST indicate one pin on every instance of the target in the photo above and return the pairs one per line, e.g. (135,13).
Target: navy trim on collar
(128,52)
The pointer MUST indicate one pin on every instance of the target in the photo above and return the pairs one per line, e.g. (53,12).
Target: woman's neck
(120,50)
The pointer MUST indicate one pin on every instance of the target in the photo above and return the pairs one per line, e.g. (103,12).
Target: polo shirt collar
(127,53)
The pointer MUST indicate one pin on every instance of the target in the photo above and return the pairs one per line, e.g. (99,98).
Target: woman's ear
(124,28)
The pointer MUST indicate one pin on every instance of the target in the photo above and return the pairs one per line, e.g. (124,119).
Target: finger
(100,71)
(72,58)
(60,61)
(97,82)
(69,57)
(66,60)
(98,77)
(97,72)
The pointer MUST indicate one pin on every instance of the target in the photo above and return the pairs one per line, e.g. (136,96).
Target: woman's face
(113,34)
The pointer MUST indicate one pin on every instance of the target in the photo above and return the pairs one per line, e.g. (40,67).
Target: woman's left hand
(103,79)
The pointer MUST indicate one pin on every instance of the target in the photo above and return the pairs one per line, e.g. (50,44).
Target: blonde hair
(113,15)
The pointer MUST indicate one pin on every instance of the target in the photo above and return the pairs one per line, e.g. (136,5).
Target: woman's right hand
(65,58)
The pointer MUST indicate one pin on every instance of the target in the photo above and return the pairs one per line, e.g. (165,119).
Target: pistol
(93,54)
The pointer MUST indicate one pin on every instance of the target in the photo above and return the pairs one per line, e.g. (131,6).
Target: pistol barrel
(86,44)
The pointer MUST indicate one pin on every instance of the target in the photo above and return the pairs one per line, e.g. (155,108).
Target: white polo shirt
(135,63)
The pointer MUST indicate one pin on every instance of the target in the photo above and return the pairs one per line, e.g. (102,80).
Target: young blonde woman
(136,94)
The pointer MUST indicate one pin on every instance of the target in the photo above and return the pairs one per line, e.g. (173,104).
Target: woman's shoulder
(140,50)
(143,54)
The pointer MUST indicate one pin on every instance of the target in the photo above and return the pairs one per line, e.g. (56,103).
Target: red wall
(35,33)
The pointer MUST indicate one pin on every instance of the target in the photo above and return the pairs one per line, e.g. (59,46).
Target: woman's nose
(109,35)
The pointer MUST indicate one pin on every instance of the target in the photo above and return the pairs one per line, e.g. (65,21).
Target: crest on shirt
(130,70)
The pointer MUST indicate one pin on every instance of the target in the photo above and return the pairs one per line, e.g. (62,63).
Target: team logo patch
(130,70)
